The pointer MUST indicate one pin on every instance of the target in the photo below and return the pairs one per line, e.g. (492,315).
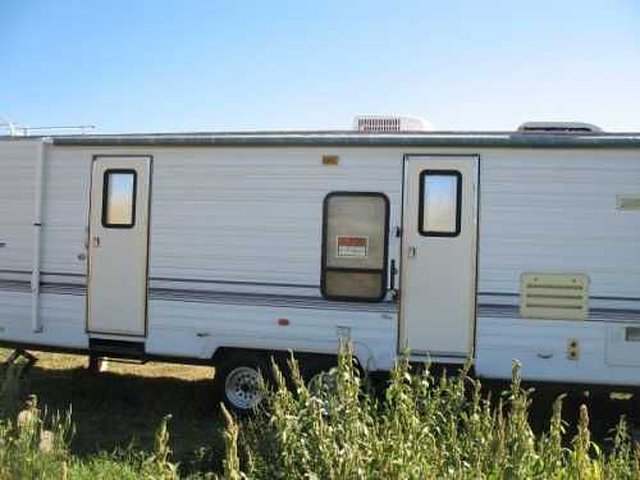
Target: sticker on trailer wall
(352,247)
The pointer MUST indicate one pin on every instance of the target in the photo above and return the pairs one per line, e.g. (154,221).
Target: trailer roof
(352,138)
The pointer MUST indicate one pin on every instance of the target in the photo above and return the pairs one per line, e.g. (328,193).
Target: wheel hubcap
(242,388)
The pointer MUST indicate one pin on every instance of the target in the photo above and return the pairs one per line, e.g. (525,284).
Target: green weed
(421,425)
(424,427)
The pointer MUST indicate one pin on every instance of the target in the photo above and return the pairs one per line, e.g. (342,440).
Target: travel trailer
(227,248)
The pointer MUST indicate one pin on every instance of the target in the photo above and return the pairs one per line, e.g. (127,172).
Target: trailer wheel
(319,373)
(239,381)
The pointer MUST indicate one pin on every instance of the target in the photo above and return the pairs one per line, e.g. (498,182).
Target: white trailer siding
(555,211)
(242,221)
(67,177)
(17,190)
(248,222)
(235,245)
(255,215)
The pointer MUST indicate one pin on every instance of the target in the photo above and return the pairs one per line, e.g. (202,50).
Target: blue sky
(135,65)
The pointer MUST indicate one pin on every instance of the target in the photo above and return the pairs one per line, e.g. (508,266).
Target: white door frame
(97,231)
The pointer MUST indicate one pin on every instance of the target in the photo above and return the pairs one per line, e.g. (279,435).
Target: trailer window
(354,250)
(439,206)
(119,199)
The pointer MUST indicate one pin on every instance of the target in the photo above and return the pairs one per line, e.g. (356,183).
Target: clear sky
(157,65)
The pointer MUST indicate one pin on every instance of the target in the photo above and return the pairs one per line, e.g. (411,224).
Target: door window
(119,199)
(439,205)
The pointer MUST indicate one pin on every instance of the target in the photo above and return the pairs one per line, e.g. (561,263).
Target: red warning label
(354,247)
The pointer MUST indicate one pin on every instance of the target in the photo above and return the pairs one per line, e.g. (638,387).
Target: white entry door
(438,289)
(118,243)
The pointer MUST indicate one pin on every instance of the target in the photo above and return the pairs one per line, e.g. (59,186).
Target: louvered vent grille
(554,296)
(389,123)
(382,124)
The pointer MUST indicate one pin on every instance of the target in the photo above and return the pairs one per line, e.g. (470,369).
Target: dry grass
(125,405)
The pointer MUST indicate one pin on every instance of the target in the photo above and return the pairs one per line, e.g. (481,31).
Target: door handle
(95,241)
(393,272)
(412,252)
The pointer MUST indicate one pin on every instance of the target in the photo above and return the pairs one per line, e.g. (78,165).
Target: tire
(319,374)
(239,380)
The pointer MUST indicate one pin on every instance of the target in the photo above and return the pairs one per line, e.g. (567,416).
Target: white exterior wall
(17,180)
(555,211)
(254,214)
(65,212)
(243,221)
(64,219)
(249,220)
(17,161)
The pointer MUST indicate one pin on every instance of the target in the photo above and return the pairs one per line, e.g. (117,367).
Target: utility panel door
(439,255)
(118,243)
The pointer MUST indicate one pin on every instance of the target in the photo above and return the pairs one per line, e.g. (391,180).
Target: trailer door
(438,288)
(118,239)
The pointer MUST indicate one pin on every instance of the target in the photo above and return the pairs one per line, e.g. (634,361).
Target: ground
(125,404)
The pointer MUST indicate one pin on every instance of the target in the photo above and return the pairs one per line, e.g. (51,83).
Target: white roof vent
(389,123)
(558,127)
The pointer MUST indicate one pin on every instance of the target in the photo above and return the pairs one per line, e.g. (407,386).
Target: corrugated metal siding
(221,213)
(253,215)
(554,211)
(245,214)
(17,164)
(66,204)
(241,214)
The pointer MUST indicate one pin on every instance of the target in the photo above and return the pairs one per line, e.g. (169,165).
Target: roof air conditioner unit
(558,127)
(389,123)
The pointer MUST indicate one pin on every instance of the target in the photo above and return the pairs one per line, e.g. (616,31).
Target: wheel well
(223,353)
(307,361)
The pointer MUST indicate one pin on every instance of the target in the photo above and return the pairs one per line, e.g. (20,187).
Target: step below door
(438,297)
(118,245)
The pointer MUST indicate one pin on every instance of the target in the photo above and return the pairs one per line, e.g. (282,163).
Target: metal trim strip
(304,301)
(350,138)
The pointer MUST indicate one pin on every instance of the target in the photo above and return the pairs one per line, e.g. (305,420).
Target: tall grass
(36,445)
(423,427)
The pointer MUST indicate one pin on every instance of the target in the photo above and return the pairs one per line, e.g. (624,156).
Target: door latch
(412,252)
(95,241)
